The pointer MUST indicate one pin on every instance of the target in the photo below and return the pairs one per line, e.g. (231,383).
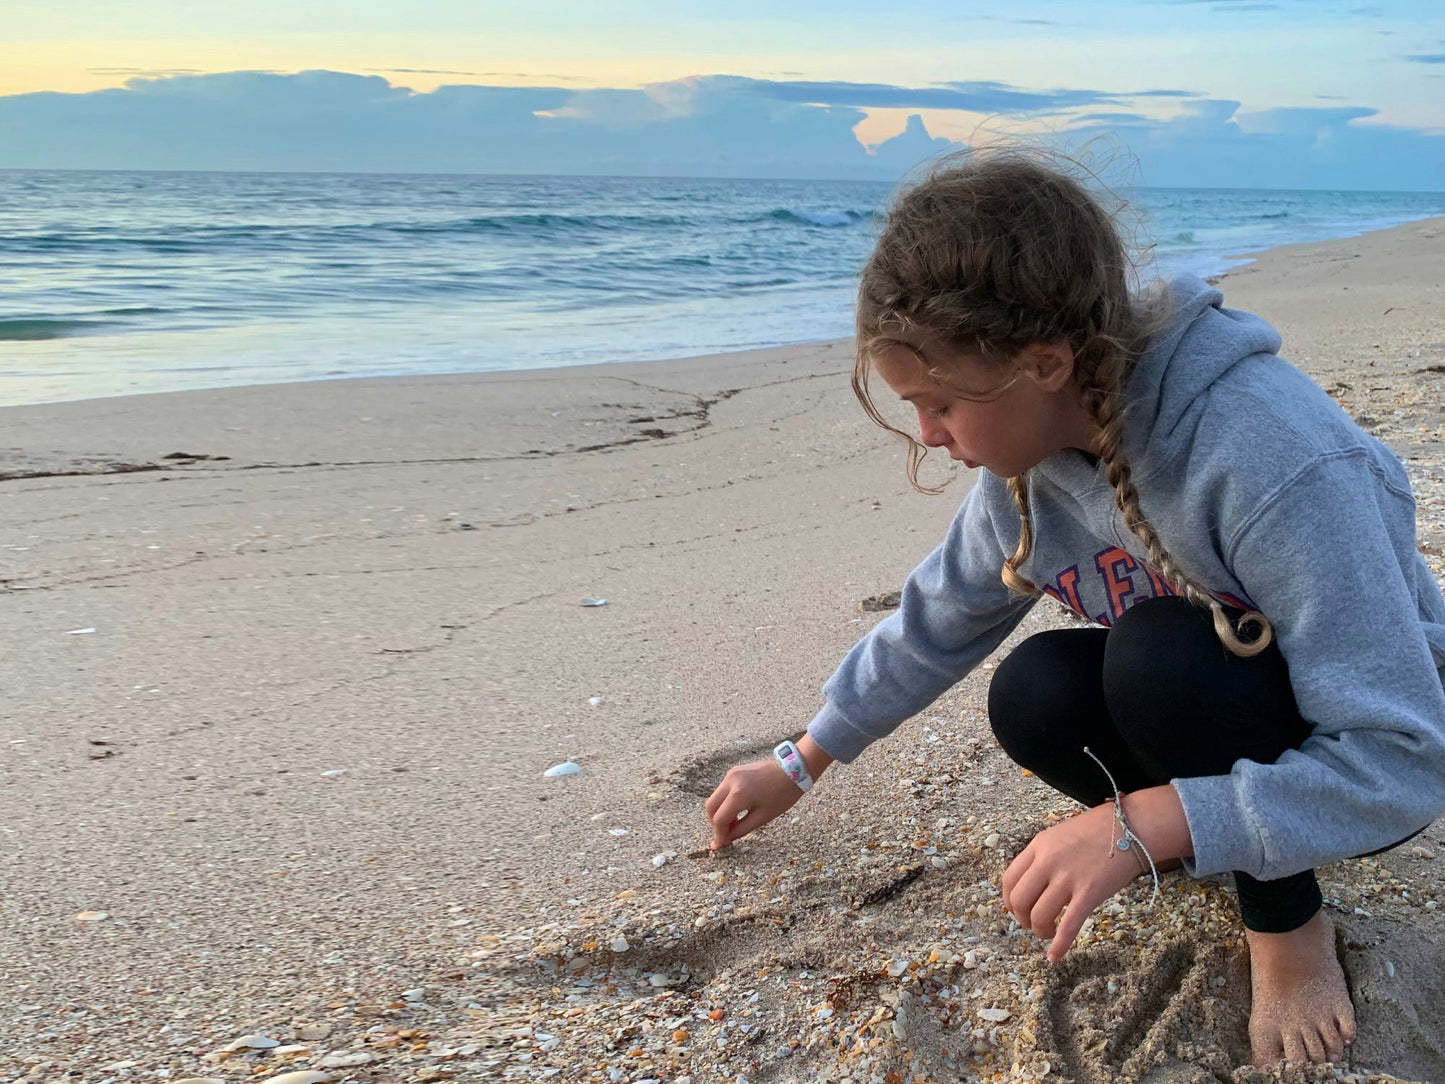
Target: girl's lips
(970,464)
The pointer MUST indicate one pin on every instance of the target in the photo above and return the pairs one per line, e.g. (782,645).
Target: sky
(1248,93)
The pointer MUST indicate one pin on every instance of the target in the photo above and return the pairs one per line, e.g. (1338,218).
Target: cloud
(713,125)
(977,96)
(147,72)
(422,71)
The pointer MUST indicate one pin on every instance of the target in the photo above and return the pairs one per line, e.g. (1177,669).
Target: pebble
(620,945)
(1421,852)
(91,916)
(565,768)
(994,1016)
(333,772)
(345,1061)
(594,602)
(301,1076)
(200,1080)
(991,840)
(595,701)
(313,1032)
(617,831)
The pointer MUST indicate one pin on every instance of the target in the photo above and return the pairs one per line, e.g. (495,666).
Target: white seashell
(595,701)
(659,860)
(617,831)
(994,1016)
(313,1032)
(897,967)
(594,602)
(91,916)
(200,1080)
(252,1042)
(78,632)
(333,772)
(620,945)
(294,1048)
(991,840)
(565,768)
(301,1076)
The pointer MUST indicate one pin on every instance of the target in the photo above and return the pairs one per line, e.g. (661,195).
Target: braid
(1103,408)
(1019,487)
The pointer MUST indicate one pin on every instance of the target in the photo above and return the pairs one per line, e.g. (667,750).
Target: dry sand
(286,665)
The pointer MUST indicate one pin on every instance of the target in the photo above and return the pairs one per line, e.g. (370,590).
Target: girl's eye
(937,412)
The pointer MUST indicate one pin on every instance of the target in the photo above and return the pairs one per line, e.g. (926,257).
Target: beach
(288,663)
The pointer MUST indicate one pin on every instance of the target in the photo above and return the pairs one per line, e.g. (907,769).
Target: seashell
(91,916)
(994,1016)
(594,602)
(301,1076)
(252,1042)
(567,767)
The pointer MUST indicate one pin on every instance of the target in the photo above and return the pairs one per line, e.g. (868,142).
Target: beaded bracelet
(1128,840)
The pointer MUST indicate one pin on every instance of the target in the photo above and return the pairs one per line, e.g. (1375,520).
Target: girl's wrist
(1156,816)
(813,756)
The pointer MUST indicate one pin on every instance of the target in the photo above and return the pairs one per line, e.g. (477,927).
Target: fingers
(1025,896)
(1068,930)
(1044,917)
(725,819)
(1011,876)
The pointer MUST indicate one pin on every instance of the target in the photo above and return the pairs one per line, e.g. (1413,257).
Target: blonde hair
(993,251)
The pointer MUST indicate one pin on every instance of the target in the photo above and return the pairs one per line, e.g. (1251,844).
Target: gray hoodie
(1269,495)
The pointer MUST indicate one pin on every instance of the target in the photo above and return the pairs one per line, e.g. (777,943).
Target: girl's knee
(1034,698)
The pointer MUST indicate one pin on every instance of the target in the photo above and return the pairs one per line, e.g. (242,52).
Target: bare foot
(1301,1010)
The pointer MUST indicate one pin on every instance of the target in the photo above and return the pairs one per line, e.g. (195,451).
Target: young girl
(1265,693)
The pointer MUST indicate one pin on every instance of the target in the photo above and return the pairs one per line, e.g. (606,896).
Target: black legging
(1156,697)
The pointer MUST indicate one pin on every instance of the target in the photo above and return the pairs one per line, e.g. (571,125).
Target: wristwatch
(791,761)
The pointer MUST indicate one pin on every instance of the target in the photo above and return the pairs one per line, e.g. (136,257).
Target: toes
(1313,1046)
(1265,1047)
(1334,1044)
(1345,1021)
(1294,1047)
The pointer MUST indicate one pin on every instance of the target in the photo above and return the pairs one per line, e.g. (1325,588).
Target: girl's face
(1007,419)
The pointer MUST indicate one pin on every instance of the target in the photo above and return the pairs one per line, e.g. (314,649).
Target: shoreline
(290,664)
(1250,254)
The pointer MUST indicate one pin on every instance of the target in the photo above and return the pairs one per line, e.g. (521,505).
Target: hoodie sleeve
(954,611)
(1324,558)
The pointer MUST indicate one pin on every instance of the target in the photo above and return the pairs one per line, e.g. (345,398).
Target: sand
(286,665)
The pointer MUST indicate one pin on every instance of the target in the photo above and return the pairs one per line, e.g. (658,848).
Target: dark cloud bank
(712,126)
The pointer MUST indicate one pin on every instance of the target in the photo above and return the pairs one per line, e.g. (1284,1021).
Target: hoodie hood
(1202,343)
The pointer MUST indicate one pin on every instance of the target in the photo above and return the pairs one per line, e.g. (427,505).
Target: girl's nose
(931,432)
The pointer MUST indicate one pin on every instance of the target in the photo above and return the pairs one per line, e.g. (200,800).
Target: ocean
(115,283)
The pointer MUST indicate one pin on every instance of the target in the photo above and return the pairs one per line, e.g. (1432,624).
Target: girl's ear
(1049,365)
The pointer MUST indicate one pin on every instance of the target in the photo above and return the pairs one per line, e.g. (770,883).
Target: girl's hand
(1067,865)
(762,788)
